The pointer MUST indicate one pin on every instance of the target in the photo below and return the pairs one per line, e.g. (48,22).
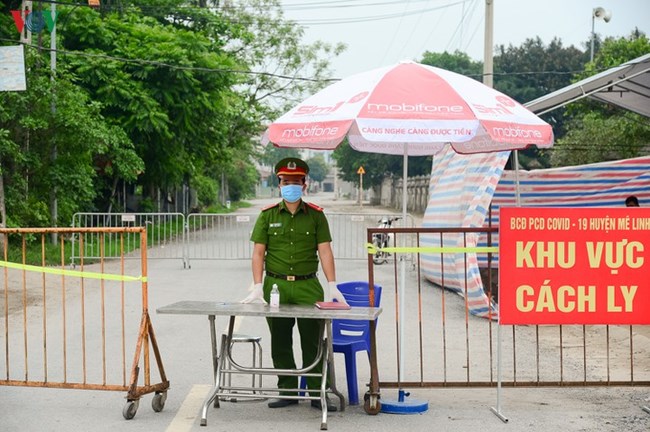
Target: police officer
(289,238)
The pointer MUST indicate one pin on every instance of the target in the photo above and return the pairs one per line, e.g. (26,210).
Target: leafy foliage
(159,95)
(175,93)
(271,155)
(600,132)
(318,168)
(596,138)
(532,70)
(457,61)
(54,135)
(376,166)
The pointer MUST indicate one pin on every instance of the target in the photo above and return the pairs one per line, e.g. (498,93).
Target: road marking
(189,410)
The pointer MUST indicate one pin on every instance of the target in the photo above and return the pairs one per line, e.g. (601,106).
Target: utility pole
(54,207)
(488,42)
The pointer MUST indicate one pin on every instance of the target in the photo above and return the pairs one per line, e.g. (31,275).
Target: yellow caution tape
(81,274)
(372,249)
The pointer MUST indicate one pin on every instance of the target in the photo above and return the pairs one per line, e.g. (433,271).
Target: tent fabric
(627,86)
(604,184)
(462,187)
(460,192)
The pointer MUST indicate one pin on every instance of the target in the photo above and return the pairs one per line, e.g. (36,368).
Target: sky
(408,28)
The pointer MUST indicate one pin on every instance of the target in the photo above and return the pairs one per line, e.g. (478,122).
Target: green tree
(271,155)
(601,132)
(194,90)
(150,80)
(377,166)
(283,70)
(534,69)
(174,92)
(29,131)
(615,51)
(596,138)
(269,42)
(457,61)
(318,168)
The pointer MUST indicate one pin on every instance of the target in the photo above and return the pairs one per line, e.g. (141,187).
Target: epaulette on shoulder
(314,206)
(270,206)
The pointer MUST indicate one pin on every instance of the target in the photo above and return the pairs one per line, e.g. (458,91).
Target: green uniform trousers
(304,292)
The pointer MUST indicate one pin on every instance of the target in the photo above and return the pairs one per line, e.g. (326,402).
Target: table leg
(219,365)
(329,354)
(215,354)
(371,402)
(323,388)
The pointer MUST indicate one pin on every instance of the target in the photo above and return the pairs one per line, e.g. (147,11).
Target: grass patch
(38,251)
(221,209)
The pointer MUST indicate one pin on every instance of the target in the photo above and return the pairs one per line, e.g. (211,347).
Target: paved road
(184,346)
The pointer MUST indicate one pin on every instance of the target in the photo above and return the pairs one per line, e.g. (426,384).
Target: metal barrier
(217,236)
(349,232)
(443,345)
(71,328)
(165,232)
(212,236)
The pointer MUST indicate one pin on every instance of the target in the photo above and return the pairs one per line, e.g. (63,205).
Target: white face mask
(291,193)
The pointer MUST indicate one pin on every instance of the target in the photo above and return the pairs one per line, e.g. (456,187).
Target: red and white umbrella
(420,107)
(410,109)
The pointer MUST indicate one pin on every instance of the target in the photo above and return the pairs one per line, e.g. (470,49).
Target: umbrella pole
(401,405)
(517,192)
(402,284)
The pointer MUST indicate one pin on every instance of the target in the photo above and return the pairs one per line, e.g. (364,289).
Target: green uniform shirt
(291,240)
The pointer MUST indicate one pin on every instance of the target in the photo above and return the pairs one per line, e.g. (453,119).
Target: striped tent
(604,184)
(459,196)
(463,186)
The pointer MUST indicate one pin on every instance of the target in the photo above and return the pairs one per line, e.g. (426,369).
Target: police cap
(292,166)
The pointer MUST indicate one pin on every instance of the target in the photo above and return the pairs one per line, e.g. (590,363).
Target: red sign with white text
(574,265)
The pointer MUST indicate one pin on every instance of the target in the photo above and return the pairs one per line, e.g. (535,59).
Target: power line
(478,26)
(386,16)
(249,72)
(306,6)
(461,23)
(399,26)
(408,39)
(171,66)
(343,4)
(433,29)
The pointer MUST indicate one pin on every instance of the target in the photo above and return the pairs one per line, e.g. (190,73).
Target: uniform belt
(291,278)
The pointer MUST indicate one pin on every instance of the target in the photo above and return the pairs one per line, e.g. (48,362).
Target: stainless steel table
(223,357)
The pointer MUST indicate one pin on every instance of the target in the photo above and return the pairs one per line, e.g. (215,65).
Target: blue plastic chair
(351,336)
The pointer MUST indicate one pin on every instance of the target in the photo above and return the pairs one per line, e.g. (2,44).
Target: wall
(417,194)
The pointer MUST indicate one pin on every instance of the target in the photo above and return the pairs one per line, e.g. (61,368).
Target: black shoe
(281,403)
(330,405)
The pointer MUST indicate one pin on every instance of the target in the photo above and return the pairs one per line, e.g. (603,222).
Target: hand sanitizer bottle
(275,297)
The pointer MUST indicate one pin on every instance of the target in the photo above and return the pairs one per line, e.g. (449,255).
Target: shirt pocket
(308,233)
(276,232)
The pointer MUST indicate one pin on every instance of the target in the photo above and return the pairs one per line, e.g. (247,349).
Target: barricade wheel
(130,408)
(158,401)
(368,407)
